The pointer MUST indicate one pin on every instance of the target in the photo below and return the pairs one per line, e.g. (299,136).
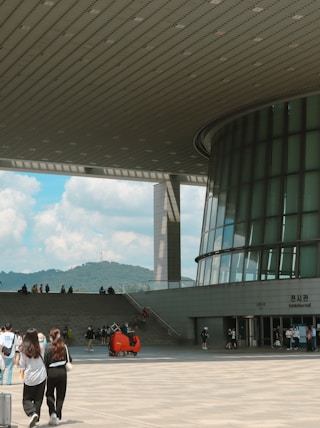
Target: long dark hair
(30,344)
(57,344)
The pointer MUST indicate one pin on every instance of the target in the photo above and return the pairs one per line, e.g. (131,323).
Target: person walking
(314,338)
(35,375)
(55,359)
(234,339)
(205,335)
(229,337)
(296,338)
(90,336)
(288,335)
(9,340)
(309,338)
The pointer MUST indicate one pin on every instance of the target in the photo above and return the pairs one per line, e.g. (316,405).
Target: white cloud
(94,219)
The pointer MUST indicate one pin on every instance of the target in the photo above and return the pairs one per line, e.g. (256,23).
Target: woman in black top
(55,359)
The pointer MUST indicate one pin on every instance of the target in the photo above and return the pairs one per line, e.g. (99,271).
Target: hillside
(86,278)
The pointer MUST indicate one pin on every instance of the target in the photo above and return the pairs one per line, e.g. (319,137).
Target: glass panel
(295,115)
(271,233)
(207,271)
(311,196)
(224,180)
(257,200)
(251,266)
(287,263)
(276,157)
(204,243)
(234,173)
(310,226)
(269,264)
(294,154)
(237,132)
(260,161)
(255,236)
(243,203)
(273,197)
(263,124)
(236,267)
(225,269)
(218,239)
(308,261)
(221,209)
(239,239)
(246,165)
(228,237)
(312,150)
(279,112)
(210,240)
(313,112)
(249,129)
(200,273)
(214,212)
(208,214)
(291,194)
(215,270)
(289,228)
(231,206)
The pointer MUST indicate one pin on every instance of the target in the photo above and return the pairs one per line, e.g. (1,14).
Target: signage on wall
(299,301)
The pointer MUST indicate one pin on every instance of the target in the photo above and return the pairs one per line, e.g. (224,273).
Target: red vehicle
(120,345)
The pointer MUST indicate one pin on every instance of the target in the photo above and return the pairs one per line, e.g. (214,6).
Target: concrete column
(167,251)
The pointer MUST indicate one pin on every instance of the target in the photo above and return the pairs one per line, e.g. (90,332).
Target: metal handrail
(170,330)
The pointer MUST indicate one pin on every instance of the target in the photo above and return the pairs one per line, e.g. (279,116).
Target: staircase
(77,311)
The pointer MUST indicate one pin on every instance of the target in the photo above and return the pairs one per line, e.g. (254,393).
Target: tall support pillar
(167,250)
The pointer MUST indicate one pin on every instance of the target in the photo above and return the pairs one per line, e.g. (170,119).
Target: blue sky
(54,221)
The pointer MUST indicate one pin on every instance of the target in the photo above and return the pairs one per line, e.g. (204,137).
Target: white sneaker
(33,420)
(53,421)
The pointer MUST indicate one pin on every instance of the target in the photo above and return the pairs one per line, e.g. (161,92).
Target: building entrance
(247,329)
(271,323)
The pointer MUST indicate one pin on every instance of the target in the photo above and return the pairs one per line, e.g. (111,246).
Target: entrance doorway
(247,329)
(270,324)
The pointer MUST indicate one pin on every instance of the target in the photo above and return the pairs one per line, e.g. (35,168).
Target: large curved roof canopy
(120,88)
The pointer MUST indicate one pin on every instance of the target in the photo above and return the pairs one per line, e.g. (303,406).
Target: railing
(166,285)
(154,285)
(170,330)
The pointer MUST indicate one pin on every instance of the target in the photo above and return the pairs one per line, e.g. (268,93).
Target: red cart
(119,345)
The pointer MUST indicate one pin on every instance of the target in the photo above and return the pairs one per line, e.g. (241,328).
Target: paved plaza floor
(186,387)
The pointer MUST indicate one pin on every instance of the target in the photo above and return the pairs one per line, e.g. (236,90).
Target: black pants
(56,389)
(32,398)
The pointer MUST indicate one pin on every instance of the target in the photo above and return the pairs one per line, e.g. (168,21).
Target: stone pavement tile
(186,388)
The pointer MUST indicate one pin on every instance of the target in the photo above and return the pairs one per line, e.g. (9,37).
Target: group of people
(232,342)
(231,339)
(34,289)
(103,334)
(64,291)
(292,338)
(43,369)
(109,291)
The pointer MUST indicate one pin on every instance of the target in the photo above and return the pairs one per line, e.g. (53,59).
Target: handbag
(68,363)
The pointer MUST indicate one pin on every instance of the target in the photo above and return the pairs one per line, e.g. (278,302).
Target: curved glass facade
(261,219)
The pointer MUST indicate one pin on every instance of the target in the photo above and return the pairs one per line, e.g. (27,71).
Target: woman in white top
(8,339)
(35,375)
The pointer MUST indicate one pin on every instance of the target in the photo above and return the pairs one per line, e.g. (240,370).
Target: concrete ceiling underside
(119,88)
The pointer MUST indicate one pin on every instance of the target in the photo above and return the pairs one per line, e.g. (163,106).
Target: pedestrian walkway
(186,387)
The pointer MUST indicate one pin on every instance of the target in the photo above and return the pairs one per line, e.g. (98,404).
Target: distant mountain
(86,278)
